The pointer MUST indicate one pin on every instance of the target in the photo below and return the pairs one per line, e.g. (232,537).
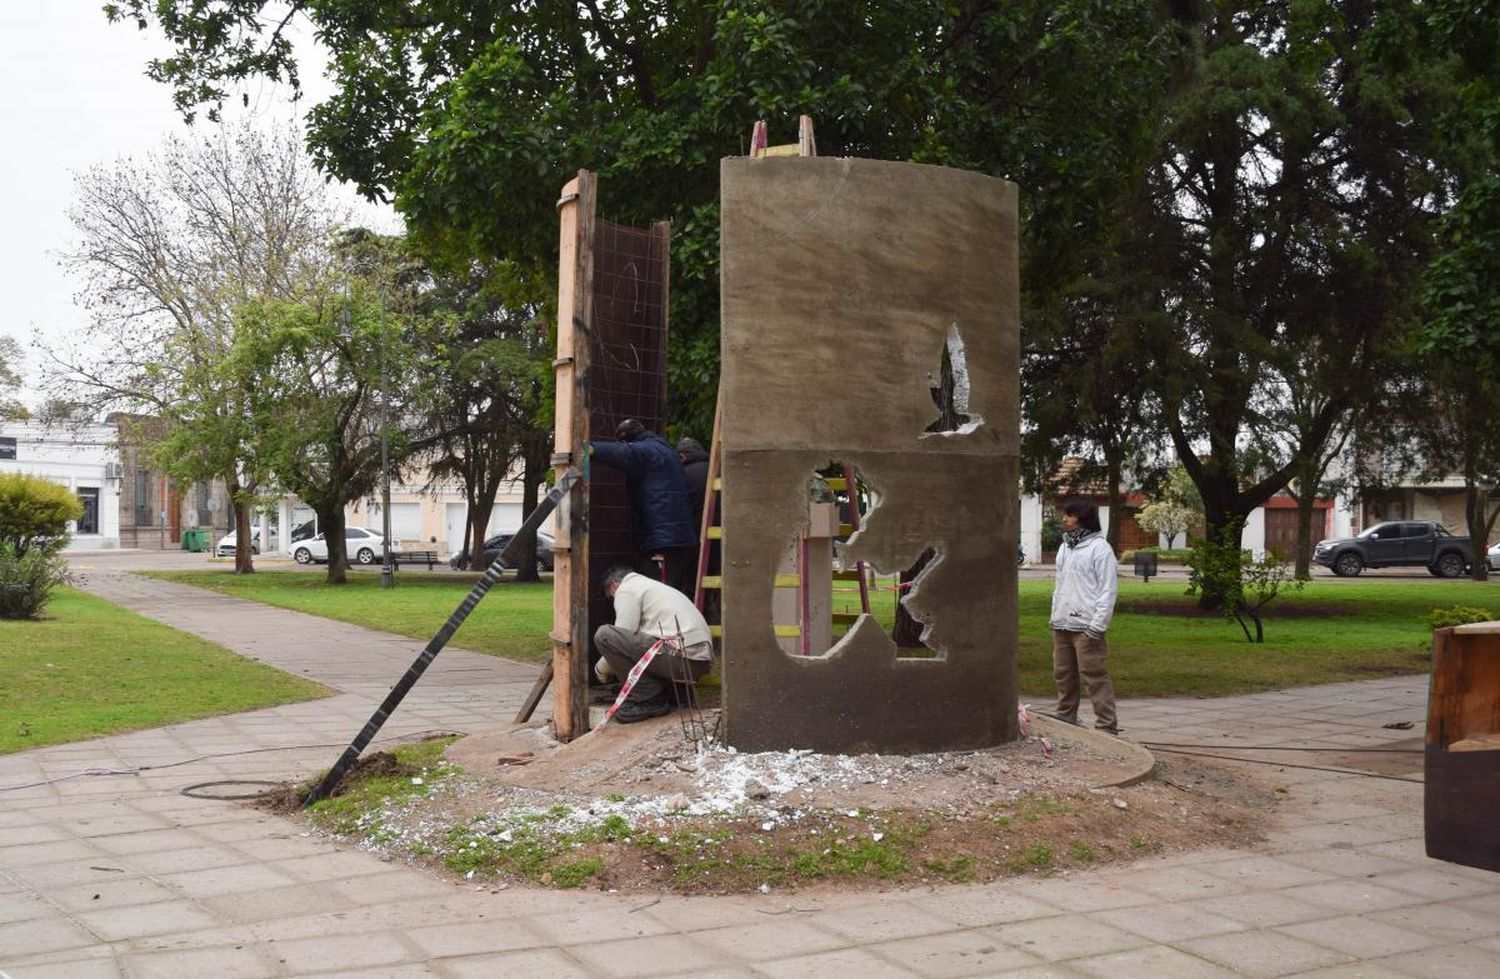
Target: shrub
(1443,618)
(34,512)
(27,578)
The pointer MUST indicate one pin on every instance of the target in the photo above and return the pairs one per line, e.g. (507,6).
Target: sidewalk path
(112,875)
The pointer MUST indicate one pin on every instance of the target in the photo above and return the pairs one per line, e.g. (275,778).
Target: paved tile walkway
(115,873)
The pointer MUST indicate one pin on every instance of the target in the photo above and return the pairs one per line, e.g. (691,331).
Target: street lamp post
(387,575)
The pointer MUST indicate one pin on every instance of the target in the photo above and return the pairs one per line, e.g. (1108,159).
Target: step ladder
(712,530)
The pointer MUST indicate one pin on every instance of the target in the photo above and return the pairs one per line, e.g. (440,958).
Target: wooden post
(570,579)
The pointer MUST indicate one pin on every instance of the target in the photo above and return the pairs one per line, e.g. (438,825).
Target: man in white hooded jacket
(1083,602)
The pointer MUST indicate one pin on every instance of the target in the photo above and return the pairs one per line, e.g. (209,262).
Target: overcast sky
(75,94)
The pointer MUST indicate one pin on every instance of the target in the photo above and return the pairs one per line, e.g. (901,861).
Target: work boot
(632,711)
(1071,718)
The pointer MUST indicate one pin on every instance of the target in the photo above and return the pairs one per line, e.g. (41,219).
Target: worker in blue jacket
(659,505)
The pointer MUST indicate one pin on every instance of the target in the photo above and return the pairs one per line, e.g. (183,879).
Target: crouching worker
(647,611)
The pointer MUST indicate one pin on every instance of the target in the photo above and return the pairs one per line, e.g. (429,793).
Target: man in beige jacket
(647,611)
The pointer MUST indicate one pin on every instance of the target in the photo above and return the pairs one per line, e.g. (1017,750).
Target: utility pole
(387,576)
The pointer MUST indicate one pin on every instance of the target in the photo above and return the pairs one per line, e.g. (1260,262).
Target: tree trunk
(1220,525)
(1112,467)
(244,548)
(1474,516)
(907,631)
(535,463)
(481,499)
(331,522)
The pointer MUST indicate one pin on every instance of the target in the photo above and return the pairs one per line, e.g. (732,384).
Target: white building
(82,457)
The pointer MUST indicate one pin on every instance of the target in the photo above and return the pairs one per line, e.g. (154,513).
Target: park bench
(429,558)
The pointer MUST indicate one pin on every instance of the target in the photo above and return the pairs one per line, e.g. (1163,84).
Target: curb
(1140,761)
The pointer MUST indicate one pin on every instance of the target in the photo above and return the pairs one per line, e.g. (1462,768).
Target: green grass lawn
(91,668)
(1159,643)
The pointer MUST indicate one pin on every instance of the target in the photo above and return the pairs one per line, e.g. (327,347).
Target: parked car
(362,547)
(227,546)
(1492,557)
(494,545)
(1398,543)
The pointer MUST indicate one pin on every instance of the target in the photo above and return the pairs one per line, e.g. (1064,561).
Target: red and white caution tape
(628,684)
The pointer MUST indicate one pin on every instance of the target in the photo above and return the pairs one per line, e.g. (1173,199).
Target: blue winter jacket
(658,490)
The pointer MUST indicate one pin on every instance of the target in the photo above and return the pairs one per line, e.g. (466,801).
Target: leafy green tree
(471,115)
(315,370)
(1175,509)
(1292,195)
(169,247)
(484,361)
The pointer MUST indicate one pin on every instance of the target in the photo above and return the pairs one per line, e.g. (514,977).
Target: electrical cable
(1269,747)
(99,772)
(1288,764)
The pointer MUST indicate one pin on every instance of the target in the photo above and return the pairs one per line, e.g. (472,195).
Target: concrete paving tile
(110,893)
(964,953)
(972,908)
(539,964)
(1261,872)
(1438,885)
(1157,961)
(1356,896)
(278,902)
(398,885)
(1448,962)
(29,856)
(163,862)
(154,841)
(1359,937)
(280,847)
(889,919)
(223,962)
(411,970)
(1344,862)
(586,927)
(24,938)
(217,881)
(1054,970)
(23,906)
(1264,953)
(1361,970)
(771,940)
(1183,884)
(1083,893)
(1055,939)
(475,938)
(29,835)
(1325,834)
(367,951)
(1263,909)
(1168,922)
(141,920)
(74,969)
(336,865)
(1449,922)
(834,965)
(122,820)
(647,956)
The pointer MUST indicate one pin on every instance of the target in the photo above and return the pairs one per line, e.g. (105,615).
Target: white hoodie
(1087,583)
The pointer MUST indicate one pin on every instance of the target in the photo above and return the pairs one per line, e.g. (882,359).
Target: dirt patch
(640,808)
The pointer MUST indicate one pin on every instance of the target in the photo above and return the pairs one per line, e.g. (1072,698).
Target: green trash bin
(195,540)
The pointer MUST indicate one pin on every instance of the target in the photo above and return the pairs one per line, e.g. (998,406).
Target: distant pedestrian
(1083,602)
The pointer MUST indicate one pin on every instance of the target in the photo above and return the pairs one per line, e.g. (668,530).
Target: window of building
(88,523)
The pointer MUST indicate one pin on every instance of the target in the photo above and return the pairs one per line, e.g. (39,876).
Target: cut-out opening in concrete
(822,595)
(949,387)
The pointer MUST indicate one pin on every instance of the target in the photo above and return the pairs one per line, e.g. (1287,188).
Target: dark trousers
(678,568)
(623,648)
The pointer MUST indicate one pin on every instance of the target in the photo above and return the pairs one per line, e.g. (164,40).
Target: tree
(1292,195)
(484,367)
(1175,510)
(471,115)
(1459,338)
(169,248)
(11,409)
(314,371)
